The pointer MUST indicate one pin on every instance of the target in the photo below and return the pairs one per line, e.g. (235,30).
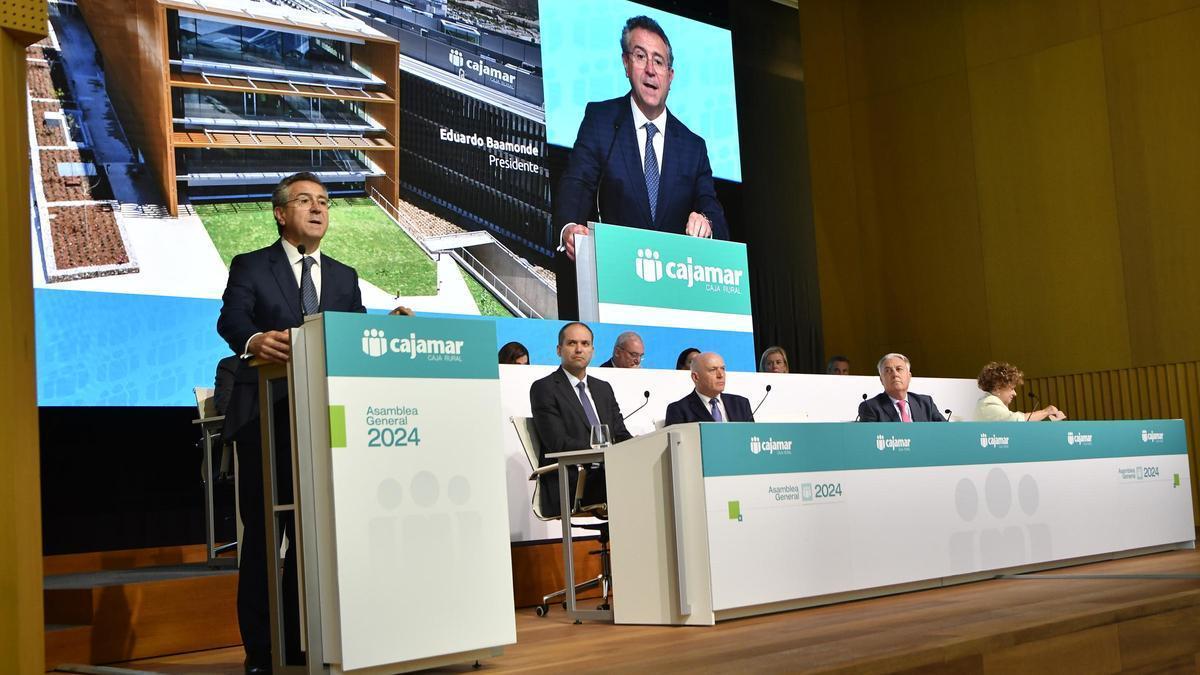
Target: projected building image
(249,92)
(473,133)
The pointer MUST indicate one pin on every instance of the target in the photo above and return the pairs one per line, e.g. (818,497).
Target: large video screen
(442,192)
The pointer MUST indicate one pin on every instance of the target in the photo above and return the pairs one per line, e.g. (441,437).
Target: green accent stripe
(337,426)
(727,448)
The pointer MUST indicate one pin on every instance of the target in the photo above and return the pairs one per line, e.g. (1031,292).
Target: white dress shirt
(586,393)
(639,125)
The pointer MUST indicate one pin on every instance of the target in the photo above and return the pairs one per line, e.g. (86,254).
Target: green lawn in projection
(486,302)
(360,235)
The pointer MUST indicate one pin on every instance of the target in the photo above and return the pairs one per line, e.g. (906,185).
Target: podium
(650,278)
(400,513)
(716,521)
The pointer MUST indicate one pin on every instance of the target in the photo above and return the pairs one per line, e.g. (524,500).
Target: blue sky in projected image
(581,60)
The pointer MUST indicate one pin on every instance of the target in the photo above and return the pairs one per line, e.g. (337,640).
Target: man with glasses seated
(628,351)
(270,291)
(617,163)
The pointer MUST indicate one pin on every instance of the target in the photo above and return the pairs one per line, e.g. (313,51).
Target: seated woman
(514,354)
(1000,380)
(773,360)
(684,362)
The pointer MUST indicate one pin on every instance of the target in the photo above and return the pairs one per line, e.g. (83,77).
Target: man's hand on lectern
(698,226)
(273,345)
(401,310)
(568,237)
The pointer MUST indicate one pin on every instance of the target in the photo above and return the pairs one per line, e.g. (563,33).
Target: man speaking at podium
(634,162)
(269,291)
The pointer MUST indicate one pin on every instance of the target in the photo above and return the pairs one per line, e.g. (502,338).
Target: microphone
(760,401)
(302,249)
(643,405)
(1032,397)
(858,417)
(949,414)
(600,180)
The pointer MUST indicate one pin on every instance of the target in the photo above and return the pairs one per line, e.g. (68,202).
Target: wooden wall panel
(842,259)
(1047,210)
(824,55)
(1118,13)
(1000,30)
(915,176)
(21,626)
(892,44)
(1170,391)
(1154,99)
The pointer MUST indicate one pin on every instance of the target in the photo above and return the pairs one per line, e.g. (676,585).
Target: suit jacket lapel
(573,399)
(633,165)
(698,408)
(889,409)
(329,280)
(286,279)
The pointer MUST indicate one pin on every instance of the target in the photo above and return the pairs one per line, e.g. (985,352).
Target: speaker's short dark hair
(646,23)
(563,331)
(280,195)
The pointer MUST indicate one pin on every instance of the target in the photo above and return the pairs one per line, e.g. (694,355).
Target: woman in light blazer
(1000,381)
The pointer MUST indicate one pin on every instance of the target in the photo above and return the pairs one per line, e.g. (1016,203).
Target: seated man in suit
(635,161)
(897,403)
(628,351)
(566,405)
(709,403)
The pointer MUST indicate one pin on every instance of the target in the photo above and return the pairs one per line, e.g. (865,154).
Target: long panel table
(715,521)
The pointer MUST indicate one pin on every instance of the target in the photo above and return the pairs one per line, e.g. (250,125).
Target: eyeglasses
(640,57)
(306,201)
(636,357)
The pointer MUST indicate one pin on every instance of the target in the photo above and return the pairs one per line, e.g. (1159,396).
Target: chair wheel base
(542,610)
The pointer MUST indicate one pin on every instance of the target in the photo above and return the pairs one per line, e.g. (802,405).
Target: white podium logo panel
(420,521)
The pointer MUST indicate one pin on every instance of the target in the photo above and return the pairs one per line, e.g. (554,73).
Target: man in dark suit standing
(635,160)
(566,405)
(897,403)
(709,403)
(270,291)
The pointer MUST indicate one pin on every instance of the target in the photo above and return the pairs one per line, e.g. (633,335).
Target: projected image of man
(634,159)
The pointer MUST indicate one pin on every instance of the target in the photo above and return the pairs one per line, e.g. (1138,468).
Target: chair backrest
(206,403)
(527,434)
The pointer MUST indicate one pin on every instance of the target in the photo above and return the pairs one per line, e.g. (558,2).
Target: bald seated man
(709,402)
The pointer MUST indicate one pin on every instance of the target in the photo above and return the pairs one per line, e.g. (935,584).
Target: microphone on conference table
(1033,397)
(858,417)
(949,414)
(302,250)
(643,405)
(760,401)
(600,180)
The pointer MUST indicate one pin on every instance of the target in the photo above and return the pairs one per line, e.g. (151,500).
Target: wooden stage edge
(1133,615)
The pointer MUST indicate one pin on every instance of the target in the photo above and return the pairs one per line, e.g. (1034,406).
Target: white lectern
(400,508)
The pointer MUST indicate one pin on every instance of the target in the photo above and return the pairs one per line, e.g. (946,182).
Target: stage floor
(1134,615)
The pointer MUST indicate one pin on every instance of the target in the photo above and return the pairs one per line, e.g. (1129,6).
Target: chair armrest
(543,470)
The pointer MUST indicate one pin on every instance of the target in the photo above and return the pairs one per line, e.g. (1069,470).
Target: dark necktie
(716,410)
(588,410)
(308,290)
(651,170)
